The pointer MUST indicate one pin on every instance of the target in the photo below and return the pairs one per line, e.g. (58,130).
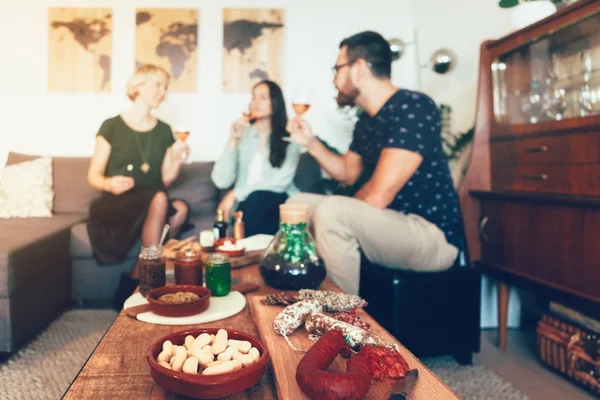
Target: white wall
(460,25)
(65,124)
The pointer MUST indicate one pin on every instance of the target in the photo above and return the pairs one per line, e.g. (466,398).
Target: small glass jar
(151,264)
(218,274)
(188,267)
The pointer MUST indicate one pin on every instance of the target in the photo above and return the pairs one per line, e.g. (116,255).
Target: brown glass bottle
(238,225)
(220,226)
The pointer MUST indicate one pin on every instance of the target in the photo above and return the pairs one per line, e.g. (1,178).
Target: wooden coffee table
(117,368)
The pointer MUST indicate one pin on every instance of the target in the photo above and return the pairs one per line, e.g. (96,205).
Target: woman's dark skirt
(116,223)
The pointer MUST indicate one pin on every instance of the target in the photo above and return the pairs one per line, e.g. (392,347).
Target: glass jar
(291,261)
(218,274)
(151,264)
(188,267)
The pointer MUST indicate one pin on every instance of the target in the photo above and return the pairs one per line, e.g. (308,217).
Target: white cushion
(26,189)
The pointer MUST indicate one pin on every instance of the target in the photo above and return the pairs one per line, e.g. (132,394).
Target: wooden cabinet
(542,243)
(531,195)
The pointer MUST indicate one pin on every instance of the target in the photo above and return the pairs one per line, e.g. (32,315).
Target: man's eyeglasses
(336,68)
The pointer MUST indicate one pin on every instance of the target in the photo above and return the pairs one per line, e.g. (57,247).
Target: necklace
(145,167)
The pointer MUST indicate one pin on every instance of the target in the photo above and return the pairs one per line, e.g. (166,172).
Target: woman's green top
(130,149)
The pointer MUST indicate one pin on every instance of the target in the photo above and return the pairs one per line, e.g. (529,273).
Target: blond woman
(135,160)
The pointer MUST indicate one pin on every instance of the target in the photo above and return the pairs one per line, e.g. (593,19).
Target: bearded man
(404,212)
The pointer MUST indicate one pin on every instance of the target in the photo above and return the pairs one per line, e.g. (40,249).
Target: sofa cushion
(26,189)
(81,247)
(26,245)
(195,187)
(308,178)
(72,192)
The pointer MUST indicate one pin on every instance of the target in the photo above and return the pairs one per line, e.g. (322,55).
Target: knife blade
(404,386)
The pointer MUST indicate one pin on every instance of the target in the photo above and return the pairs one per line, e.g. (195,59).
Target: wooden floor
(520,366)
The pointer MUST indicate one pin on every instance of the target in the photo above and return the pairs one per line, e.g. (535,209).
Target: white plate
(219,308)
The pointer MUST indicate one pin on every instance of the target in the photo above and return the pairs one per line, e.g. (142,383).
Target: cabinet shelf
(554,76)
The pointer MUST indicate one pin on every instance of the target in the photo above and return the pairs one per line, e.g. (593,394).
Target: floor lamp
(441,62)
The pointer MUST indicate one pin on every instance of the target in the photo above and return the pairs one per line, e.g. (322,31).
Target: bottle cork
(293,213)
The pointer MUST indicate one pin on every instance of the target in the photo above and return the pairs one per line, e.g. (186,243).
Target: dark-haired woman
(258,162)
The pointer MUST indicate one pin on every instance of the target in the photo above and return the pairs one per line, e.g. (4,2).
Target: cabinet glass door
(553,78)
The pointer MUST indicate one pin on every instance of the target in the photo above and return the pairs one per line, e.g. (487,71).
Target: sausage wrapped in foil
(318,324)
(333,302)
(293,316)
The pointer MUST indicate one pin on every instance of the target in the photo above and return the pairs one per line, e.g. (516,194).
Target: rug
(472,382)
(45,368)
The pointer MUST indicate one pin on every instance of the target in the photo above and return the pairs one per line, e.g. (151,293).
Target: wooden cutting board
(250,257)
(284,359)
(173,246)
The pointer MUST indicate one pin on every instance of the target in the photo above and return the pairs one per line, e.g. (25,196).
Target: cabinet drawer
(581,148)
(550,244)
(582,179)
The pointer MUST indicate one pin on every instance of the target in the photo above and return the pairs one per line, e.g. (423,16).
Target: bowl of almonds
(207,363)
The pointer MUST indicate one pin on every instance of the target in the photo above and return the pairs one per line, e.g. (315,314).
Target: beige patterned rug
(45,368)
(473,382)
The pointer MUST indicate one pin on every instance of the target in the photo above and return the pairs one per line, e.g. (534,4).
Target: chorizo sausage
(384,362)
(319,384)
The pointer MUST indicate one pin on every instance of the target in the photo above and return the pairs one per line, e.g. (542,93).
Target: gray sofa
(45,263)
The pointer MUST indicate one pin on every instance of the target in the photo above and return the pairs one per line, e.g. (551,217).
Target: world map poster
(252,47)
(168,37)
(79,49)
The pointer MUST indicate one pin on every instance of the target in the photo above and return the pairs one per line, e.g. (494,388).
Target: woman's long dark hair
(279,121)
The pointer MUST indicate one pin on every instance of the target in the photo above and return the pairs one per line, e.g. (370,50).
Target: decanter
(291,261)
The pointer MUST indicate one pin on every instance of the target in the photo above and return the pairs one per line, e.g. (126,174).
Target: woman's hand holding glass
(181,150)
(237,131)
(118,184)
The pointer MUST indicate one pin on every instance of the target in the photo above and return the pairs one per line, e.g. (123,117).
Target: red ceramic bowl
(230,253)
(206,386)
(179,309)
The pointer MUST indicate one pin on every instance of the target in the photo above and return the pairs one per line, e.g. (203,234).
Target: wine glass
(181,133)
(301,101)
(555,103)
(531,102)
(248,115)
(300,105)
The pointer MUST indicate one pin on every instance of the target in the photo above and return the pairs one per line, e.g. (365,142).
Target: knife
(403,386)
